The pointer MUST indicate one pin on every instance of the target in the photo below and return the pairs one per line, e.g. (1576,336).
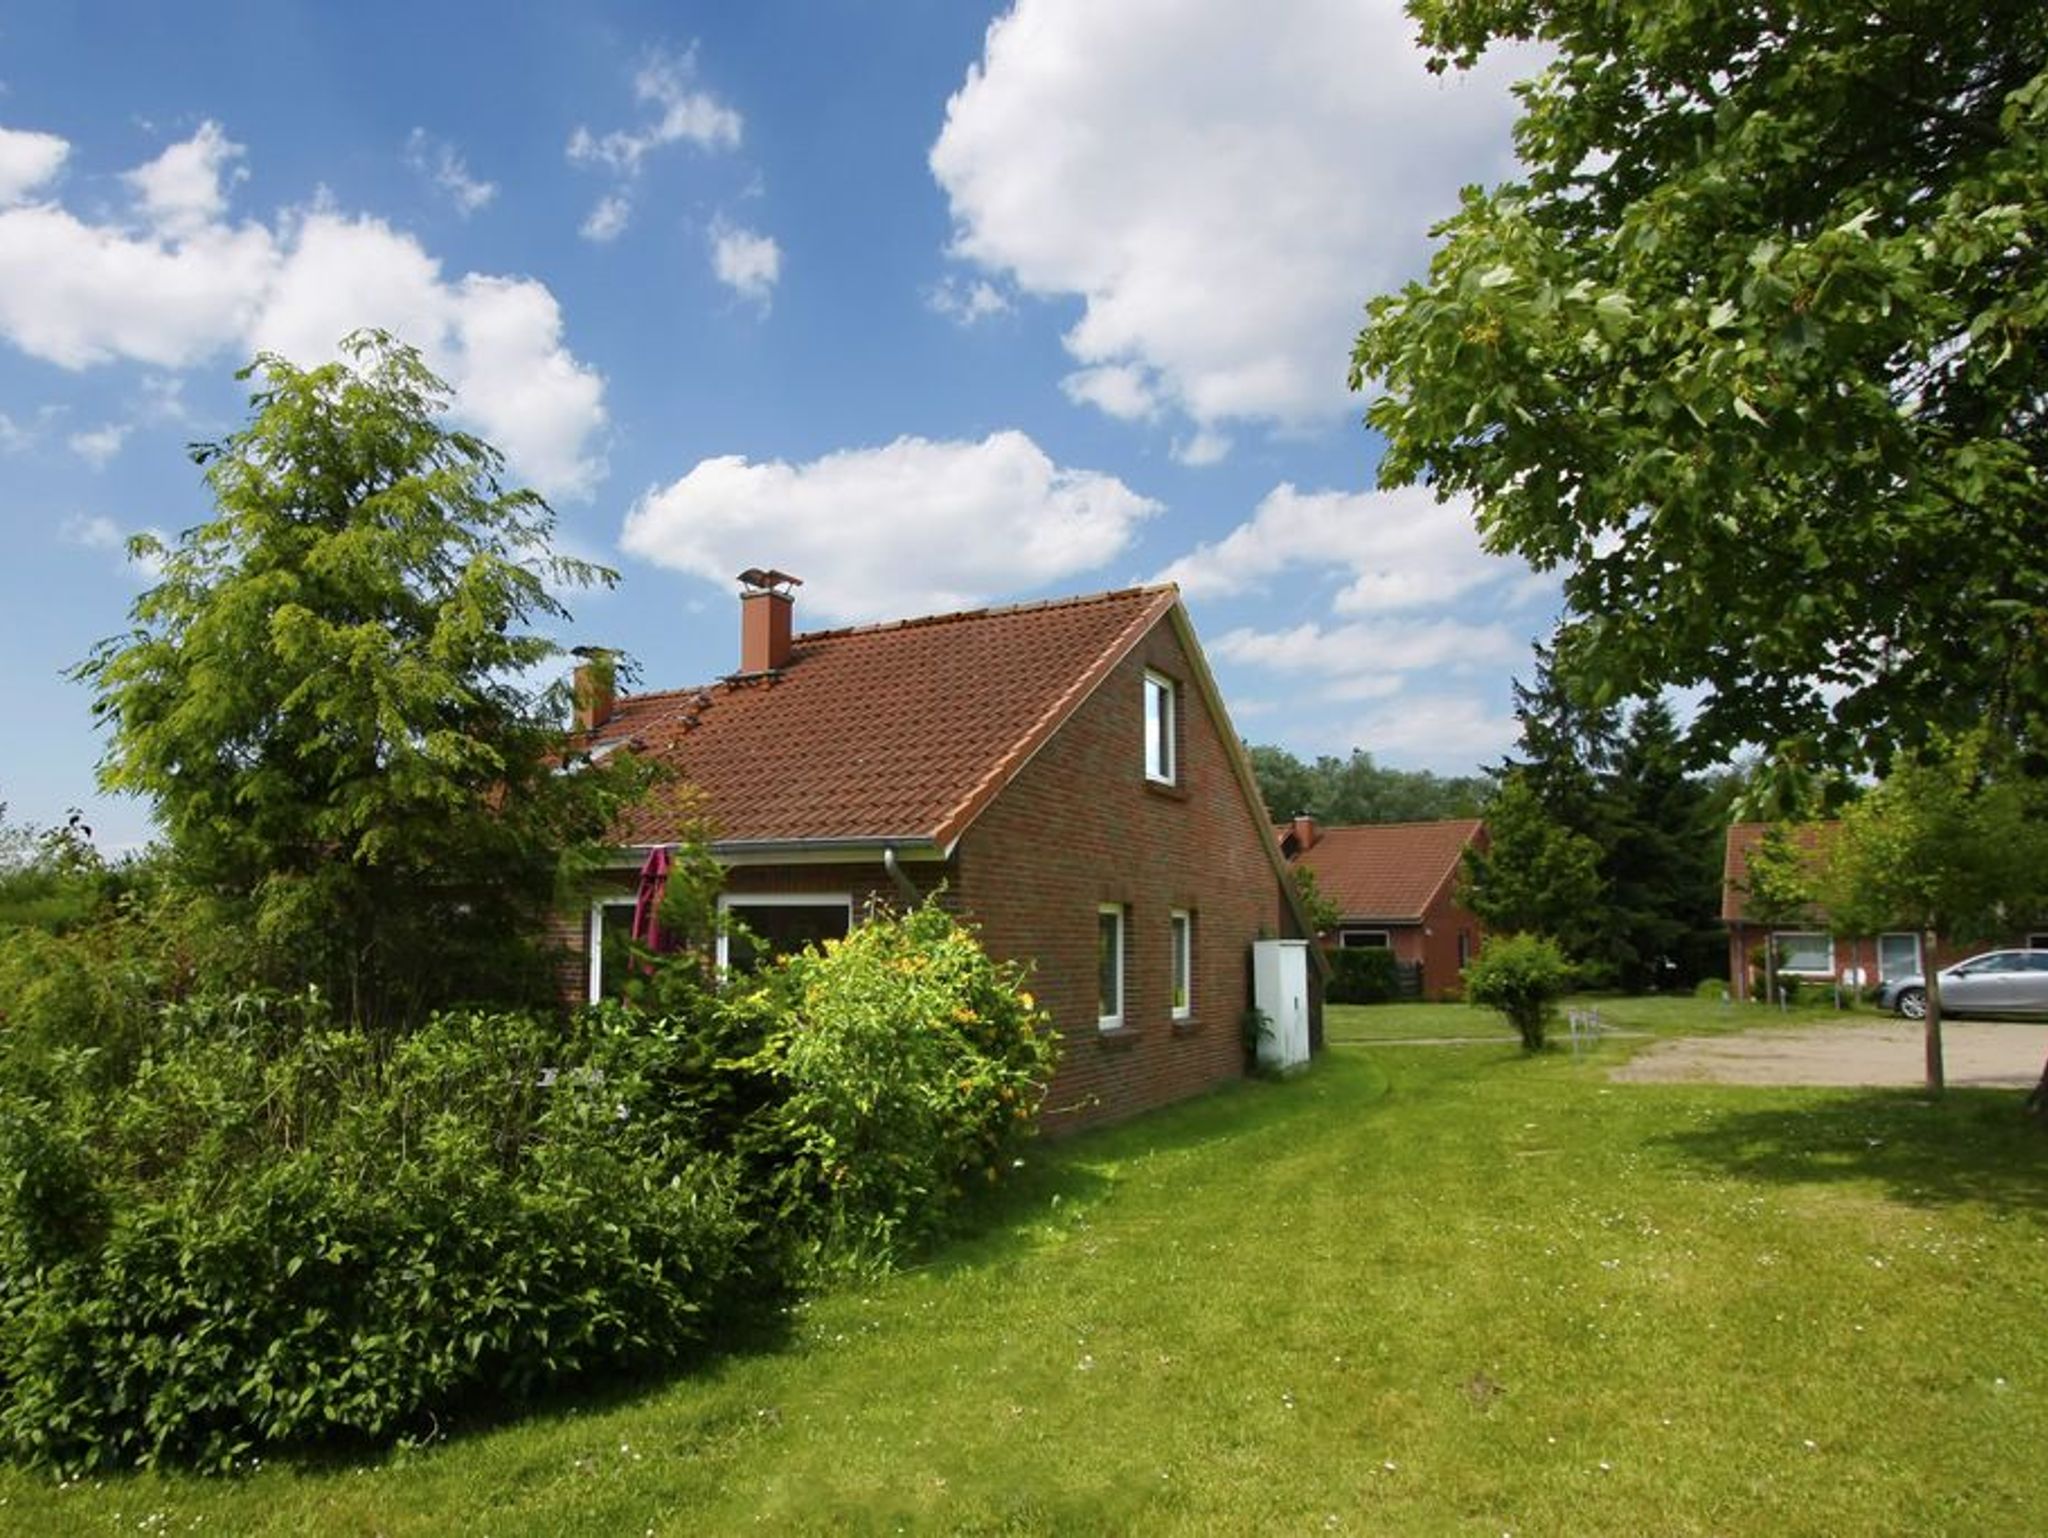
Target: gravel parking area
(1890,1052)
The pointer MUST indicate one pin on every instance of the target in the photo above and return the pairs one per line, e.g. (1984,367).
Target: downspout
(911,896)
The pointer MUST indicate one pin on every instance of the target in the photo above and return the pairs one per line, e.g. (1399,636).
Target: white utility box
(1280,990)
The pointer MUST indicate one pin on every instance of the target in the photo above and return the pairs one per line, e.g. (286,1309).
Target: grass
(1417,1290)
(1659,1015)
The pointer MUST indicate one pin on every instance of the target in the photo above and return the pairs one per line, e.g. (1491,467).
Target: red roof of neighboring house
(900,731)
(1388,870)
(1743,838)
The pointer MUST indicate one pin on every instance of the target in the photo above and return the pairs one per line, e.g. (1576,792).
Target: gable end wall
(1079,827)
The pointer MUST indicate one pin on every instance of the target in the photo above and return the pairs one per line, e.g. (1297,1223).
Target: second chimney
(1303,832)
(595,687)
(765,608)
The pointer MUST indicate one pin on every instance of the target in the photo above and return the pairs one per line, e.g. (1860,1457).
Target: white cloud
(76,294)
(92,532)
(180,191)
(27,161)
(745,261)
(99,444)
(682,113)
(1372,648)
(608,218)
(440,163)
(1222,185)
(191,286)
(1399,550)
(96,531)
(1121,389)
(914,526)
(967,302)
(20,437)
(1416,674)
(1445,732)
(1206,447)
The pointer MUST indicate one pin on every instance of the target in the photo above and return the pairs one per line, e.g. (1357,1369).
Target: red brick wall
(1079,827)
(1746,943)
(1445,921)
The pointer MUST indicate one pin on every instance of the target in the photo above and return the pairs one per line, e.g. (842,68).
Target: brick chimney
(765,607)
(594,686)
(1302,830)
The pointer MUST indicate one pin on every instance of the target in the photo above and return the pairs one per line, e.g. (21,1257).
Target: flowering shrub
(228,1224)
(911,1065)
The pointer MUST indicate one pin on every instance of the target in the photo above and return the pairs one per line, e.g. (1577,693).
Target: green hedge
(1363,977)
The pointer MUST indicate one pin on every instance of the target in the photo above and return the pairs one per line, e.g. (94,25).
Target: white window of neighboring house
(1898,955)
(1364,939)
(1109,966)
(1161,710)
(1806,953)
(778,924)
(611,926)
(1181,932)
(1464,948)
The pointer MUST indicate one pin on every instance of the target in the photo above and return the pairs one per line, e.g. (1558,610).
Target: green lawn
(1417,1290)
(1658,1015)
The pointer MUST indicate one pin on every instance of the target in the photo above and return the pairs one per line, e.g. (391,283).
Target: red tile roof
(1743,838)
(1390,870)
(900,731)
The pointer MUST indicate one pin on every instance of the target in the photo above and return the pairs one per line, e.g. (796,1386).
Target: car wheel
(1912,1004)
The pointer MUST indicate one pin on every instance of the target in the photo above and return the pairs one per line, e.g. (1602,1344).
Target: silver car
(1995,983)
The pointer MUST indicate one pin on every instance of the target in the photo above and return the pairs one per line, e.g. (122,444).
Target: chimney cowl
(766,606)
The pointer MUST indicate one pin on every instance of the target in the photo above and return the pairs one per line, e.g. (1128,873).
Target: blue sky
(934,303)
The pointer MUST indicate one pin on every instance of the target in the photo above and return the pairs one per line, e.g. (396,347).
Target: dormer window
(1162,706)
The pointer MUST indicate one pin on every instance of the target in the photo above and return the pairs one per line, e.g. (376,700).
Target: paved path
(1890,1052)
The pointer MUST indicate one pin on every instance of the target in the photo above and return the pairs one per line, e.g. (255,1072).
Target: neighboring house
(1807,944)
(1063,770)
(1395,885)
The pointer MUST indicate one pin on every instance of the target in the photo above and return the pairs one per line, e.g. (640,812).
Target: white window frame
(1780,936)
(1919,967)
(1180,933)
(1115,1021)
(593,941)
(727,901)
(1162,728)
(1345,942)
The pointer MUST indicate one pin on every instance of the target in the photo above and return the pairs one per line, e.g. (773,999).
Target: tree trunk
(1937,1079)
(2037,1102)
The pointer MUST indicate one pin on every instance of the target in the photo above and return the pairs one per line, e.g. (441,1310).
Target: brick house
(1064,770)
(1809,947)
(1395,887)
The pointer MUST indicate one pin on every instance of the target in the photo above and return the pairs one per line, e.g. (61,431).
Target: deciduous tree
(1946,848)
(1755,351)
